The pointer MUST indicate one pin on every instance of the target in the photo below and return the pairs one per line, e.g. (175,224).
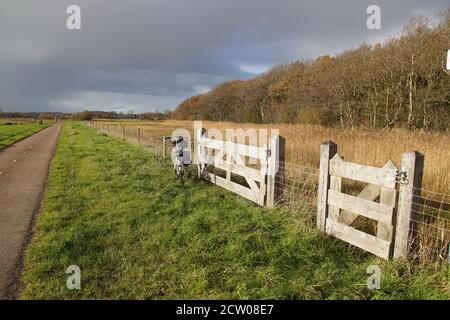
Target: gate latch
(401,176)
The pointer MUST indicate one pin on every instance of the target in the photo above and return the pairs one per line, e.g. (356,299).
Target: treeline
(155,116)
(89,115)
(402,82)
(33,115)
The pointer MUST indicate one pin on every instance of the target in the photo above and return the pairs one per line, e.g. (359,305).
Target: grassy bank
(118,213)
(13,131)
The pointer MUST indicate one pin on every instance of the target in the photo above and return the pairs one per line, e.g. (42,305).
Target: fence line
(298,188)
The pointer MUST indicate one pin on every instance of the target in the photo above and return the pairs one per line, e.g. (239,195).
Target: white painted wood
(238,168)
(229,160)
(271,171)
(359,239)
(250,181)
(275,166)
(335,186)
(232,186)
(405,231)
(448,60)
(243,149)
(370,192)
(233,164)
(369,209)
(342,209)
(201,153)
(241,170)
(164,146)
(263,182)
(368,174)
(388,196)
(327,151)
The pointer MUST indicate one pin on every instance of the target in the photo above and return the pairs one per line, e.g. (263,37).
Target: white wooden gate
(337,211)
(260,177)
(344,208)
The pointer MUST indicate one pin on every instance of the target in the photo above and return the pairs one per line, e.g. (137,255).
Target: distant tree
(82,116)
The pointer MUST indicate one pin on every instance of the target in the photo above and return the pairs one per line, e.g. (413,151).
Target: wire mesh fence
(298,187)
(142,136)
(298,191)
(431,222)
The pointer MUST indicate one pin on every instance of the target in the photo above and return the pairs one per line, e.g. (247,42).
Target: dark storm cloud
(149,55)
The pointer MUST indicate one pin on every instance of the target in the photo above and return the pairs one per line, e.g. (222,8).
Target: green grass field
(117,212)
(12,131)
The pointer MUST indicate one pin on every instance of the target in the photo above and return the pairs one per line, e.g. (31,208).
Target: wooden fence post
(139,136)
(276,167)
(164,146)
(198,159)
(123,132)
(200,151)
(327,151)
(228,154)
(408,204)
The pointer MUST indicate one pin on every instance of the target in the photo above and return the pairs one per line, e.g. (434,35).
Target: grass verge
(118,213)
(11,132)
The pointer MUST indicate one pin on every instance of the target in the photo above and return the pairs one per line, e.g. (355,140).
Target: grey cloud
(156,53)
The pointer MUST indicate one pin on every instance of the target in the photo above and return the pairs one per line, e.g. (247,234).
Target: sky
(146,56)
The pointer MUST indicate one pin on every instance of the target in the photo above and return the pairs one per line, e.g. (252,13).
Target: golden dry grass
(370,147)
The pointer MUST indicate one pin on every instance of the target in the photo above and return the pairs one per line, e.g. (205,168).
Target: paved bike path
(24,168)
